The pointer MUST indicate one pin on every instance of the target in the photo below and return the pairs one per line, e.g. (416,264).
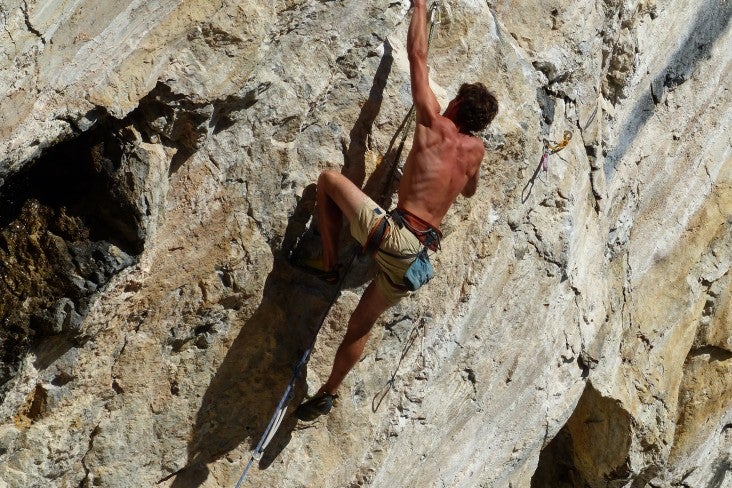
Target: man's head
(473,108)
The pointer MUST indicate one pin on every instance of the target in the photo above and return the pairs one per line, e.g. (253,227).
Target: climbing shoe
(319,405)
(315,268)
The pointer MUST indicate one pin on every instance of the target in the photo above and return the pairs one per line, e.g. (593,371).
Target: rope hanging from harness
(417,331)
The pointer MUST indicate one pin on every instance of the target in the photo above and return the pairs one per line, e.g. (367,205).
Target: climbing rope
(279,414)
(281,409)
(418,330)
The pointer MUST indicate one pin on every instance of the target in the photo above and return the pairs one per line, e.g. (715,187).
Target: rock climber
(444,161)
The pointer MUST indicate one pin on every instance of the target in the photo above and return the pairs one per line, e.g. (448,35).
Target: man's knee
(328,179)
(346,195)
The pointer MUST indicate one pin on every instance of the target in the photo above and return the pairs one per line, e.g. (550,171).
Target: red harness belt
(429,236)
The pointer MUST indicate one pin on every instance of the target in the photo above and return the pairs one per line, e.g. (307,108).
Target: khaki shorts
(398,241)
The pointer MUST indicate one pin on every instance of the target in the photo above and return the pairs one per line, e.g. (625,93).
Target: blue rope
(278,414)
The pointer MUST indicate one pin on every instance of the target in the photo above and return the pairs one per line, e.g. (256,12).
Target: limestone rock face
(157,168)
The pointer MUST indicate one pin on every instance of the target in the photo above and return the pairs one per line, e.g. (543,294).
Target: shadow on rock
(248,385)
(354,167)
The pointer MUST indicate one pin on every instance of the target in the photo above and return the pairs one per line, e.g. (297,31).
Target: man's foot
(319,405)
(315,267)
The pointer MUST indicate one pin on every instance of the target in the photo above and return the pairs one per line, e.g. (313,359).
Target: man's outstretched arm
(425,101)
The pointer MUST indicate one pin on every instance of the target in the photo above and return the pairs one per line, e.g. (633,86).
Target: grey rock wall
(158,161)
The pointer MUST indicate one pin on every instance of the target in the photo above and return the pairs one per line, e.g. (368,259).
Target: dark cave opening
(78,176)
(79,214)
(68,223)
(591,449)
(556,464)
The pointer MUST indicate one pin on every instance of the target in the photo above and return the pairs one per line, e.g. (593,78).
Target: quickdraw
(553,148)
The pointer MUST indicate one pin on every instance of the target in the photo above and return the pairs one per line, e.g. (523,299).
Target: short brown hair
(477,107)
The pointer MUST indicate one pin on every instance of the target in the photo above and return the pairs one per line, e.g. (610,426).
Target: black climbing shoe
(315,407)
(314,267)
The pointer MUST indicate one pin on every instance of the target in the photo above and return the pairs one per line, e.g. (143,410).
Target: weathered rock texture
(158,161)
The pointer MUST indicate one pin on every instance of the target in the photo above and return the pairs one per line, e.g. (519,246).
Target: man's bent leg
(369,308)
(337,197)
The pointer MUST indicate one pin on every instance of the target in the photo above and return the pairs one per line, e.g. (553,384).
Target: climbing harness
(553,148)
(420,270)
(427,235)
(279,414)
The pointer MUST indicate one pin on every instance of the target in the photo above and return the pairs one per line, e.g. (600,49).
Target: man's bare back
(442,164)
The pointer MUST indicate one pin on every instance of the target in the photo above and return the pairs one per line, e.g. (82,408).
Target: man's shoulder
(443,124)
(473,145)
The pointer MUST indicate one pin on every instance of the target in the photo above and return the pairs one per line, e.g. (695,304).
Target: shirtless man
(444,161)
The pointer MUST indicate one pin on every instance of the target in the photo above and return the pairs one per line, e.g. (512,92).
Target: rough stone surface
(157,168)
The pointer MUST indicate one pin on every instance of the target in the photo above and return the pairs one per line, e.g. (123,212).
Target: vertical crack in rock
(28,24)
(4,22)
(592,449)
(85,482)
(546,105)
